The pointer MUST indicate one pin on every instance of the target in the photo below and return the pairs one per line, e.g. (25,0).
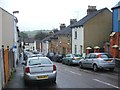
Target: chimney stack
(91,9)
(72,21)
(62,26)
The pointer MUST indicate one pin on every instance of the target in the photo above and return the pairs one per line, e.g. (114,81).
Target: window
(75,49)
(81,49)
(92,56)
(39,61)
(106,56)
(87,56)
(75,34)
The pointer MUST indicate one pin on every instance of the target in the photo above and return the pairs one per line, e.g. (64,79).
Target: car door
(86,61)
(90,60)
(66,58)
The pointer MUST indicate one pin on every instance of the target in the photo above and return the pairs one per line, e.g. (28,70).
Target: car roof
(99,53)
(38,57)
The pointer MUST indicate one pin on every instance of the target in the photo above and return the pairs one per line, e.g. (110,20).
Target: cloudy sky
(49,14)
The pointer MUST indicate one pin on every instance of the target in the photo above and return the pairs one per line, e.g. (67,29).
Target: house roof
(87,18)
(117,5)
(65,31)
(81,22)
(29,40)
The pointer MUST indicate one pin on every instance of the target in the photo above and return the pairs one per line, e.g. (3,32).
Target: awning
(112,34)
(115,46)
(88,48)
(96,47)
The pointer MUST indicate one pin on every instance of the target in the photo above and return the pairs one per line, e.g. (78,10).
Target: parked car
(50,55)
(98,61)
(71,59)
(58,57)
(39,69)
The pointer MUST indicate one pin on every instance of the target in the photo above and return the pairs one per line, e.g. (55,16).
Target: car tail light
(73,58)
(99,56)
(27,69)
(54,68)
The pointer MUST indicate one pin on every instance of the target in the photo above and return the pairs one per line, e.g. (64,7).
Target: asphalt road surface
(70,77)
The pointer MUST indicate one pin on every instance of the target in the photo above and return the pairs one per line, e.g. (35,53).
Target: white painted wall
(45,47)
(7,29)
(79,41)
(0,28)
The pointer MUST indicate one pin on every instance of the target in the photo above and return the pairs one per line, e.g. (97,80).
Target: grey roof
(87,18)
(29,40)
(117,5)
(65,31)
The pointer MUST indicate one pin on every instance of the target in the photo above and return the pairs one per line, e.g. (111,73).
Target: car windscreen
(39,61)
(106,56)
(77,55)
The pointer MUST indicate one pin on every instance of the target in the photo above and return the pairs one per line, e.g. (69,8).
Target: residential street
(70,77)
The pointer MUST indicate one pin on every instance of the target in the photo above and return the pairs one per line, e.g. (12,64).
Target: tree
(23,35)
(40,35)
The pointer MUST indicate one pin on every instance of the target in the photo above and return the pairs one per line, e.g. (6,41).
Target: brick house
(115,35)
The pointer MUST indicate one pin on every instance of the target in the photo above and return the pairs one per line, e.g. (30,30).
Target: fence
(6,65)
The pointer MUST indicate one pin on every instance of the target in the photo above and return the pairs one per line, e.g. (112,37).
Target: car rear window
(106,56)
(39,61)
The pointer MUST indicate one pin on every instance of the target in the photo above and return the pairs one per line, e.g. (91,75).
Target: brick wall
(115,40)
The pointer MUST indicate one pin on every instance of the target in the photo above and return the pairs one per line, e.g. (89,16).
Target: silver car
(39,69)
(98,61)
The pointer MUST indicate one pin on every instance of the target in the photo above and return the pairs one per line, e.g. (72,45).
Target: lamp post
(15,39)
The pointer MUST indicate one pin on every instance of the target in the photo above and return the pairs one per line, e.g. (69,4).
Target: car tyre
(69,63)
(80,65)
(95,68)
(111,69)
(62,62)
(26,82)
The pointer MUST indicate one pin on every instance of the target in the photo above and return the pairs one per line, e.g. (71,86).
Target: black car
(58,57)
(50,55)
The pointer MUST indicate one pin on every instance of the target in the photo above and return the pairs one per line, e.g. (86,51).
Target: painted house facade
(8,41)
(115,35)
(92,30)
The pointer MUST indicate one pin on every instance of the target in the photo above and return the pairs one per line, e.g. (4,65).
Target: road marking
(107,83)
(73,72)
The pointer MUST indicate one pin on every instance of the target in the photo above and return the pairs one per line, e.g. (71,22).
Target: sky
(49,14)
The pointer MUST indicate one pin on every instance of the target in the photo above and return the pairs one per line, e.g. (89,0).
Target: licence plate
(77,58)
(109,60)
(42,77)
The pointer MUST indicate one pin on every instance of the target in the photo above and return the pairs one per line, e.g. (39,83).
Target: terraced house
(92,31)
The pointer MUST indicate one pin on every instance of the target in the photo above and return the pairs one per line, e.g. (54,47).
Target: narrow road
(70,77)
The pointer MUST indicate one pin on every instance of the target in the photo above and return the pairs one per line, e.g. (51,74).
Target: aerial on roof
(87,18)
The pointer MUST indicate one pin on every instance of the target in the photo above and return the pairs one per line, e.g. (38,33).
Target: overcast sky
(49,14)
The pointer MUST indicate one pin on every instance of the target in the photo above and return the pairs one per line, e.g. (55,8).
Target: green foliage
(23,35)
(40,35)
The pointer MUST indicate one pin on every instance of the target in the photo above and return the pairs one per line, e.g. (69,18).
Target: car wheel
(69,63)
(62,62)
(111,69)
(54,81)
(80,65)
(26,82)
(95,68)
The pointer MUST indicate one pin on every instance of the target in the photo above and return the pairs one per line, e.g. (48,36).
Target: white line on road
(107,83)
(73,72)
